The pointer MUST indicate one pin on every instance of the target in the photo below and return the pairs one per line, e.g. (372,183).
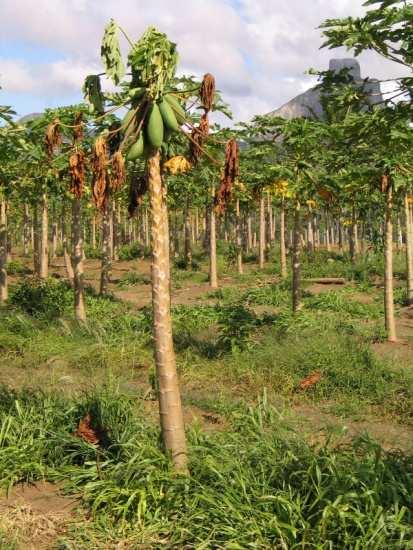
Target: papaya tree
(155,113)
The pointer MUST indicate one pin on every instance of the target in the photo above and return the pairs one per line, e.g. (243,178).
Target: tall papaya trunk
(196,225)
(146,228)
(283,255)
(205,239)
(388,269)
(187,236)
(249,233)
(327,234)
(170,408)
(262,233)
(26,230)
(3,252)
(310,235)
(93,232)
(296,265)
(270,228)
(409,250)
(44,240)
(238,236)
(77,261)
(54,236)
(213,272)
(106,264)
(36,241)
(66,257)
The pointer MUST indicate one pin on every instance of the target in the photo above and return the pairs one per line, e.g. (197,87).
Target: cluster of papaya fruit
(150,124)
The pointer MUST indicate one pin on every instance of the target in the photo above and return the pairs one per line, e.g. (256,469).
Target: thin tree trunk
(310,234)
(170,408)
(388,273)
(77,261)
(409,250)
(296,265)
(66,256)
(3,252)
(196,224)
(283,255)
(26,230)
(44,240)
(36,241)
(93,235)
(213,272)
(262,233)
(106,264)
(249,232)
(146,228)
(187,236)
(238,233)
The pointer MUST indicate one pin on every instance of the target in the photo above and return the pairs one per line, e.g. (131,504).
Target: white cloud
(257,49)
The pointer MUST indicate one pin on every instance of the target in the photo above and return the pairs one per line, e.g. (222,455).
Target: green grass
(257,485)
(255,481)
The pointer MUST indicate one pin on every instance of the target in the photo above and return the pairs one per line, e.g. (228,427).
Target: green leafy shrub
(42,298)
(132,251)
(92,253)
(17,268)
(237,326)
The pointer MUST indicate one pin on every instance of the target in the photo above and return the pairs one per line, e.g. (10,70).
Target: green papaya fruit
(137,148)
(154,127)
(176,108)
(168,116)
(127,119)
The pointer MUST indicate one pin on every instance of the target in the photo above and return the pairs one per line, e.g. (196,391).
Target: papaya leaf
(111,54)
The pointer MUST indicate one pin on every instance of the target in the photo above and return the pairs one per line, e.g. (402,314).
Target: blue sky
(258,50)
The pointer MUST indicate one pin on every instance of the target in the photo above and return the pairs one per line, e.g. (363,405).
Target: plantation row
(281,262)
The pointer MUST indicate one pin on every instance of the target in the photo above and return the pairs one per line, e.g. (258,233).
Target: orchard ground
(244,361)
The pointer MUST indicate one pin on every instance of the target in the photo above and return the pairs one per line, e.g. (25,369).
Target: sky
(258,50)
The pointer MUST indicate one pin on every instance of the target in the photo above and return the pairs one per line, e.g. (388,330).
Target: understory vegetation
(261,473)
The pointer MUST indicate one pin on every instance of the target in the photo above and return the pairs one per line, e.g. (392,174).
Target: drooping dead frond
(118,171)
(231,172)
(100,189)
(207,91)
(384,183)
(198,138)
(53,137)
(310,380)
(86,432)
(77,173)
(137,190)
(78,128)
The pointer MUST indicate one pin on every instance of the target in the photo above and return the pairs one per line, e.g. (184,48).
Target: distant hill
(308,104)
(28,118)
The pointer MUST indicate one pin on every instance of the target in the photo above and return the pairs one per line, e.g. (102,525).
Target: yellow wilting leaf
(280,188)
(311,203)
(177,165)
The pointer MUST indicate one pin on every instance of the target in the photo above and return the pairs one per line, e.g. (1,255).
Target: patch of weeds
(339,302)
(133,278)
(46,299)
(17,268)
